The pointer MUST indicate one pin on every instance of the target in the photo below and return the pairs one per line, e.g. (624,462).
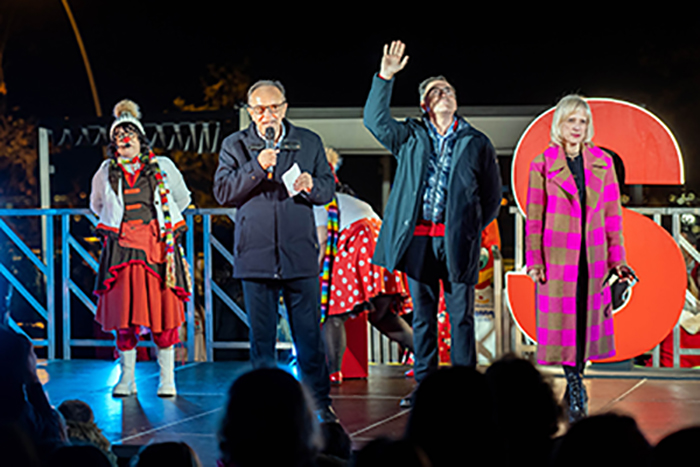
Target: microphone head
(270,133)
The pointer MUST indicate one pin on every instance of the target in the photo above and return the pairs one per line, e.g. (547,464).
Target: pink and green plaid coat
(553,241)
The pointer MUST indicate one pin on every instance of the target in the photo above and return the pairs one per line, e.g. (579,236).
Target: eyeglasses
(274,108)
(120,134)
(438,91)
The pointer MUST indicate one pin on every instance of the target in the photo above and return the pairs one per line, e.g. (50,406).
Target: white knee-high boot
(166,362)
(127,384)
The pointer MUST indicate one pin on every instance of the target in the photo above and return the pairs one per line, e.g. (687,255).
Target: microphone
(270,144)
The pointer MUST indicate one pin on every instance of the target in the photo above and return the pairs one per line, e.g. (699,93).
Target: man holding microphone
(274,172)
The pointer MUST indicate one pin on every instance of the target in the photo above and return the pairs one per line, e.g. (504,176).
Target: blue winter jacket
(275,235)
(473,188)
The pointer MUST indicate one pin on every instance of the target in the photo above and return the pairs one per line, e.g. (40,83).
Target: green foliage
(198,170)
(18,161)
(223,87)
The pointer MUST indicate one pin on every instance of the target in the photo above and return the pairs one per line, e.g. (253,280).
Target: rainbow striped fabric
(331,251)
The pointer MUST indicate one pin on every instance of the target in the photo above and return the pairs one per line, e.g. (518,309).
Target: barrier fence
(210,257)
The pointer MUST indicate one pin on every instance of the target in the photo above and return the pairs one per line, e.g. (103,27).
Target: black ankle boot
(584,398)
(577,397)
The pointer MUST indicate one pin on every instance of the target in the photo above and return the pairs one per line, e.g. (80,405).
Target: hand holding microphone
(268,156)
(267,160)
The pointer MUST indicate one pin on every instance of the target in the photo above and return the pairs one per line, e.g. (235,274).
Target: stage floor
(661,401)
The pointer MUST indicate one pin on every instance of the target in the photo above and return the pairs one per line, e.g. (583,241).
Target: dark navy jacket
(473,187)
(275,236)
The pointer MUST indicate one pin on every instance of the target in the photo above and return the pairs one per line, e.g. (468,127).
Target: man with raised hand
(447,188)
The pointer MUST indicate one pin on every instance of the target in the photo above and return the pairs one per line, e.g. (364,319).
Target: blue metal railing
(45,266)
(71,247)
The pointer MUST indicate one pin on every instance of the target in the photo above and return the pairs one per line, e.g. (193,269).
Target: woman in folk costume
(350,283)
(142,279)
(573,242)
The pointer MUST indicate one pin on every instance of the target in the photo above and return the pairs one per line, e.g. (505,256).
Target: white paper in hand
(289,177)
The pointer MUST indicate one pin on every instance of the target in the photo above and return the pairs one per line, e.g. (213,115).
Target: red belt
(429,229)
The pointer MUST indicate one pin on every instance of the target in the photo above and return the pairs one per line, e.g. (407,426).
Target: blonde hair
(333,157)
(568,105)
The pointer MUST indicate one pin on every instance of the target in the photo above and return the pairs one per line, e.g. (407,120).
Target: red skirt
(131,282)
(355,280)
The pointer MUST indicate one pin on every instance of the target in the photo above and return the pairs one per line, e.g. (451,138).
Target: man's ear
(424,106)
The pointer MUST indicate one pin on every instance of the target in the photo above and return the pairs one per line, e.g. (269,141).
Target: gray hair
(266,82)
(423,86)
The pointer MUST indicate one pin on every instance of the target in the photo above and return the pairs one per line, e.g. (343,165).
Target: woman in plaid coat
(574,309)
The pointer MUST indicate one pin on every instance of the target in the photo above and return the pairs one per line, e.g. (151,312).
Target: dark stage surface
(660,401)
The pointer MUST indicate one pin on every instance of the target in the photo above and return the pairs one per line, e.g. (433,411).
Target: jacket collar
(290,138)
(594,166)
(461,124)
(464,130)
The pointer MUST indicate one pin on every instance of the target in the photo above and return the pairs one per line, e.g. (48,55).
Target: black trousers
(301,297)
(581,310)
(425,264)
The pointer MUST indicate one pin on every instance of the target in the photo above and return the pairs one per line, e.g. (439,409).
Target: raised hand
(393,60)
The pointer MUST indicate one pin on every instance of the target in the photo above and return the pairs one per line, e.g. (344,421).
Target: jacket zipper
(278,272)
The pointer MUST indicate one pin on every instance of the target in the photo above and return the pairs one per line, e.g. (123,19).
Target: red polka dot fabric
(355,280)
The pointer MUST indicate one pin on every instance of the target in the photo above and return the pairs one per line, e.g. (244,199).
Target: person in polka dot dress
(355,284)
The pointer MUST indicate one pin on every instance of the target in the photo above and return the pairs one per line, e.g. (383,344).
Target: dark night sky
(152,52)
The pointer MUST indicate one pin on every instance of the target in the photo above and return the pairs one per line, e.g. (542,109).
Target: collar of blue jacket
(282,135)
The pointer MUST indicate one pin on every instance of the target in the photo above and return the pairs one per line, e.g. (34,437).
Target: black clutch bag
(621,290)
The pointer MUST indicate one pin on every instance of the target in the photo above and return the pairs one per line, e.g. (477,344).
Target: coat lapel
(594,167)
(558,172)
(252,142)
(464,137)
(285,158)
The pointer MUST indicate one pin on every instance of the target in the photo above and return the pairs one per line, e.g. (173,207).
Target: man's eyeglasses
(438,91)
(260,109)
